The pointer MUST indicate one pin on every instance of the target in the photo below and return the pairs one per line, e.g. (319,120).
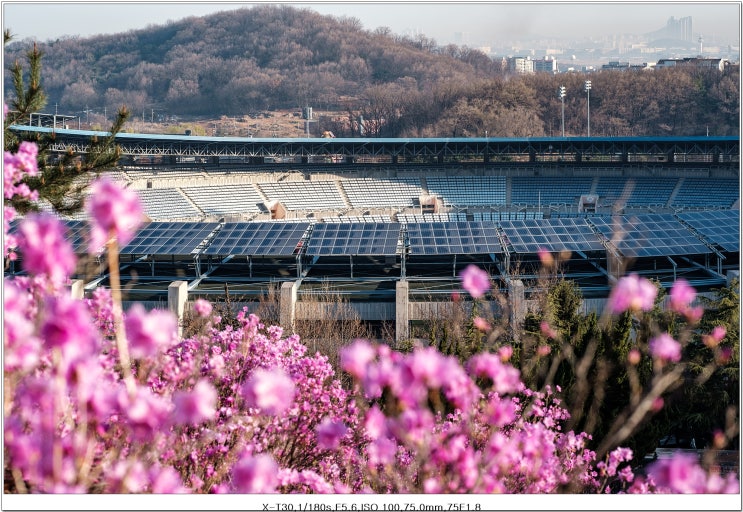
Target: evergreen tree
(63,180)
(711,396)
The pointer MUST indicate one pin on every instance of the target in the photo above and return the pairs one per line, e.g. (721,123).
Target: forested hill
(236,61)
(274,57)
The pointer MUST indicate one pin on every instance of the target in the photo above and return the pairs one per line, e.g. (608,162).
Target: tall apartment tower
(679,28)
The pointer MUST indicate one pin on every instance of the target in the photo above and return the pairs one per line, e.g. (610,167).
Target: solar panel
(343,239)
(649,235)
(169,238)
(257,239)
(77,233)
(434,238)
(553,235)
(719,227)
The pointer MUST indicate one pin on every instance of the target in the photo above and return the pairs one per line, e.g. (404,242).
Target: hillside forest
(274,57)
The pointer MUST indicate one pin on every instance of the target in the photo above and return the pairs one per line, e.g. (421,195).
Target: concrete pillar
(517,305)
(77,289)
(287,304)
(177,297)
(402,316)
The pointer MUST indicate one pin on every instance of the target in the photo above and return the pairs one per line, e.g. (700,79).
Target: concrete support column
(287,304)
(517,305)
(177,297)
(402,316)
(77,289)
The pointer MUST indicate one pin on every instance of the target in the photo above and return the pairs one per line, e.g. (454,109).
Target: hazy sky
(480,22)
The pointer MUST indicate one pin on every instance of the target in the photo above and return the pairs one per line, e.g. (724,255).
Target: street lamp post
(561,93)
(588,104)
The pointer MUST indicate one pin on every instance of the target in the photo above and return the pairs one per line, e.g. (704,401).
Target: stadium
(388,224)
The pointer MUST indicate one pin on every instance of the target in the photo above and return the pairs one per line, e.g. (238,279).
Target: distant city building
(679,29)
(520,65)
(625,66)
(546,65)
(616,65)
(718,64)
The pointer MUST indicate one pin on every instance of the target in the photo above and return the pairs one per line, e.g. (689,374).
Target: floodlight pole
(588,104)
(561,94)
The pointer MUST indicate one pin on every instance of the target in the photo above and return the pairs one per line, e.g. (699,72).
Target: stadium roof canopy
(712,148)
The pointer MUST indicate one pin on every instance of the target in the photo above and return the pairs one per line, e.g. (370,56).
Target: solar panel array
(553,235)
(258,239)
(719,227)
(372,239)
(649,235)
(169,238)
(442,238)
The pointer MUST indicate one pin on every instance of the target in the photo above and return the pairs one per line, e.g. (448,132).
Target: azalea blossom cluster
(247,409)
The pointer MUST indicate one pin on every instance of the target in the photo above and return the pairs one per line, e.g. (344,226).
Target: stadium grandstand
(388,224)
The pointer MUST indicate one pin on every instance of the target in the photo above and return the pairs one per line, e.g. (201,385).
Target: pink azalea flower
(427,365)
(22,348)
(375,423)
(196,406)
(545,257)
(681,296)
(658,404)
(381,451)
(330,433)
(506,378)
(634,356)
(505,353)
(475,281)
(146,412)
(166,480)
(68,326)
(664,347)
(116,213)
(679,474)
(149,333)
(543,350)
(202,307)
(255,474)
(718,333)
(481,324)
(271,391)
(356,357)
(45,248)
(547,330)
(632,293)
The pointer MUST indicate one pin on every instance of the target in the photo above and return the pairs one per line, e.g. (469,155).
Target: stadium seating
(374,193)
(167,204)
(225,199)
(638,191)
(468,190)
(301,195)
(535,190)
(703,192)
